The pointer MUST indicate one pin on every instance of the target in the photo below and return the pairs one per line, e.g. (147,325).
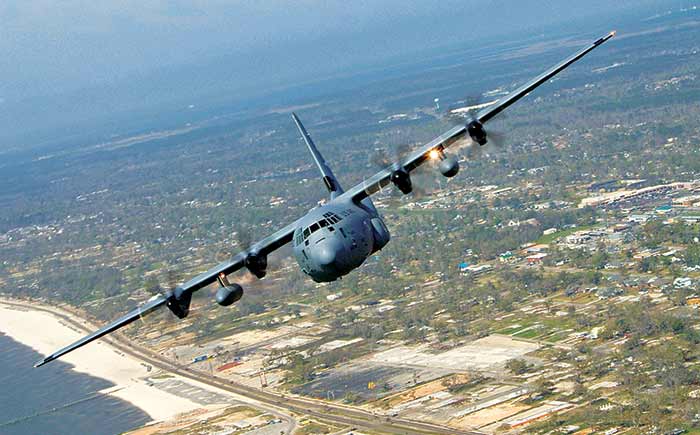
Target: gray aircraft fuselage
(336,238)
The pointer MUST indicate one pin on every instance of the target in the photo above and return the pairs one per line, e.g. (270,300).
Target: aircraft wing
(182,294)
(418,157)
(156,302)
(264,247)
(502,104)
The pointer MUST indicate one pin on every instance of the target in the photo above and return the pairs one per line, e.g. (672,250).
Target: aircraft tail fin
(329,179)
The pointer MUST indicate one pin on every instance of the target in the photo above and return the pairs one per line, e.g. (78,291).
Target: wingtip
(44,361)
(613,33)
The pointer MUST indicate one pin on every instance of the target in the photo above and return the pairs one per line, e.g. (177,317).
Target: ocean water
(53,400)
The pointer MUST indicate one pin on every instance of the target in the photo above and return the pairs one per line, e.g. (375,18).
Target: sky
(60,47)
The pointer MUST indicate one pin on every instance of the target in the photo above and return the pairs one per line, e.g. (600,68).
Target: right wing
(418,157)
(178,300)
(264,247)
(154,303)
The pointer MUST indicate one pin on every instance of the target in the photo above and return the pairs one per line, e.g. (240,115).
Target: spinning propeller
(380,159)
(467,114)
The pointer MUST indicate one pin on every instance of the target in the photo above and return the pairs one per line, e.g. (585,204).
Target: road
(343,416)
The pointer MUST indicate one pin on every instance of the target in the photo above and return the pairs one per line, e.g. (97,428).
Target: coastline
(46,333)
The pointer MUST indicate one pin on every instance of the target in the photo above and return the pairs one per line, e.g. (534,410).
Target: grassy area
(529,334)
(550,329)
(558,323)
(580,298)
(510,330)
(314,428)
(557,336)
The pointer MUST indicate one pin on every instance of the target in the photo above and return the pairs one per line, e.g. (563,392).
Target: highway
(325,411)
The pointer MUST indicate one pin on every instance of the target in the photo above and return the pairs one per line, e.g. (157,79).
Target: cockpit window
(330,219)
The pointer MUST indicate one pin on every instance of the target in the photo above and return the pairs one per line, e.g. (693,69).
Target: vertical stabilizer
(329,179)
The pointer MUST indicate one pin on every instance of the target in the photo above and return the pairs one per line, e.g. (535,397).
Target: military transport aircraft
(332,240)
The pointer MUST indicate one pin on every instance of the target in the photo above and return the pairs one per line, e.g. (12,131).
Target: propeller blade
(379,159)
(419,189)
(244,240)
(496,138)
(401,151)
(473,151)
(173,278)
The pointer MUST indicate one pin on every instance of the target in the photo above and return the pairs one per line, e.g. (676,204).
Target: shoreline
(283,406)
(45,333)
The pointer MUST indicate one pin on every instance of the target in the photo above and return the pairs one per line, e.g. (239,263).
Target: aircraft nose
(325,252)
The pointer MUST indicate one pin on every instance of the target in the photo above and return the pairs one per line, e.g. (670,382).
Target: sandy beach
(45,333)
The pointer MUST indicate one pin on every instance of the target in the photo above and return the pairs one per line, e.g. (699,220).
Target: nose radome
(325,252)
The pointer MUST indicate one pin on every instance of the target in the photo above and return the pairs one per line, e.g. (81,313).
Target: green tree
(518,366)
(692,255)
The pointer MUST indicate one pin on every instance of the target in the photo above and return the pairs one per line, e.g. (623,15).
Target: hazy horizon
(67,63)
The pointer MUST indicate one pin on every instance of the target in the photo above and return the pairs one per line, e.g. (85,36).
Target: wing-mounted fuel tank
(228,293)
(380,233)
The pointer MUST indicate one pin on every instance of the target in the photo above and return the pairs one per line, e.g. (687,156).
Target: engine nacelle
(256,264)
(449,166)
(477,132)
(228,295)
(178,301)
(402,180)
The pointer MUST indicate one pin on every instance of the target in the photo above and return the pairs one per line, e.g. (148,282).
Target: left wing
(474,128)
(502,104)
(178,299)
